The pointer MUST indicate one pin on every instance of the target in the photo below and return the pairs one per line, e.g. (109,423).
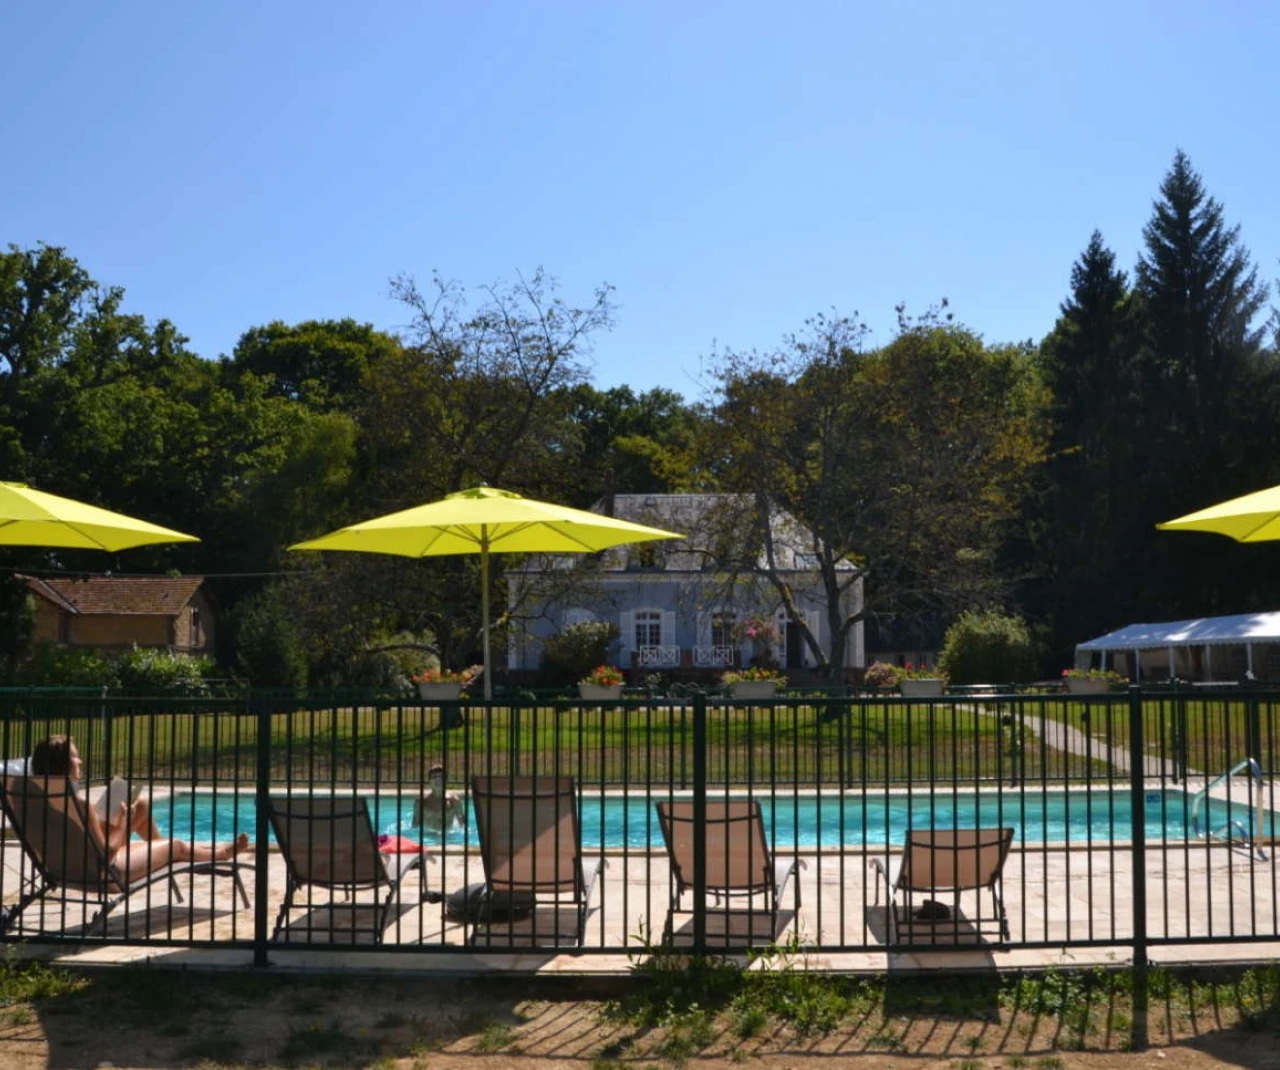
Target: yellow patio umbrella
(30,517)
(1252,518)
(486,520)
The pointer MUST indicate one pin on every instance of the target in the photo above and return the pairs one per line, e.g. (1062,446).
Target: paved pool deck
(1207,894)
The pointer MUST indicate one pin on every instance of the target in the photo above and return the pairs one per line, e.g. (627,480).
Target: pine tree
(1200,297)
(1204,377)
(1087,510)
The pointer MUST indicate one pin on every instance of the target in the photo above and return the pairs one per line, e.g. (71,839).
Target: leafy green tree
(321,363)
(633,444)
(911,461)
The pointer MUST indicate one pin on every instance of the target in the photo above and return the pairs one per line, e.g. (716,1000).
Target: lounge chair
(328,842)
(945,860)
(739,862)
(51,820)
(531,848)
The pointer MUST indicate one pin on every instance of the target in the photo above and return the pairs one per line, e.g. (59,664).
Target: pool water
(806,820)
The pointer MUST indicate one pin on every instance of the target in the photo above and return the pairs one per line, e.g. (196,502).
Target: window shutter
(704,629)
(627,625)
(811,619)
(668,627)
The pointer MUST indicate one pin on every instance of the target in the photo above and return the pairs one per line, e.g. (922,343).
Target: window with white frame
(648,628)
(723,625)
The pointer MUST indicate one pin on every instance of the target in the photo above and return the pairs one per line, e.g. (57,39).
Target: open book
(107,800)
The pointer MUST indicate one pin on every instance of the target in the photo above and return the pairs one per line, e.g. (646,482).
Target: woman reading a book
(58,756)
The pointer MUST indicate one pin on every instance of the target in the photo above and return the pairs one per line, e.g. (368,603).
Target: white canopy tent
(1245,630)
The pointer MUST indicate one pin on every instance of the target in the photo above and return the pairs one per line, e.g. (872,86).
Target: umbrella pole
(484,613)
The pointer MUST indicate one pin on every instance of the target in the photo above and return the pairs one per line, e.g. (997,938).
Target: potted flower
(921,681)
(442,685)
(758,681)
(1090,681)
(602,682)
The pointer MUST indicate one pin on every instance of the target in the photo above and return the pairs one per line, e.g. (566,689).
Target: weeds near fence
(689,1006)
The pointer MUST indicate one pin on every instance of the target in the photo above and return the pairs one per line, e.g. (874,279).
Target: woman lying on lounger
(58,756)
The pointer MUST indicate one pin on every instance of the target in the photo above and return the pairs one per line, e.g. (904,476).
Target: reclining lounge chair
(531,848)
(945,860)
(328,842)
(52,822)
(739,862)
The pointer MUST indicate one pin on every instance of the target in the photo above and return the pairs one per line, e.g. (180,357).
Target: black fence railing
(843,823)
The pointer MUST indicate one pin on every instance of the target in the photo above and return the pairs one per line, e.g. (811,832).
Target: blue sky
(731,168)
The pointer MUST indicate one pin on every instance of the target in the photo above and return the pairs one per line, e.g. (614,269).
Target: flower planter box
(439,692)
(1083,685)
(600,692)
(753,689)
(925,687)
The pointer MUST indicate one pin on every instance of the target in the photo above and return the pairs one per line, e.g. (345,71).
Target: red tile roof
(154,596)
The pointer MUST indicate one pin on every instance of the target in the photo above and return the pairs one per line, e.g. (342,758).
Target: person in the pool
(438,809)
(57,756)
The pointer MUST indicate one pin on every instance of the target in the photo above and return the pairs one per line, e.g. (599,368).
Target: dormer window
(644,556)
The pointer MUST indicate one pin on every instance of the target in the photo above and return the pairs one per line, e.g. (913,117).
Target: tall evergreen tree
(1204,377)
(1201,298)
(1089,364)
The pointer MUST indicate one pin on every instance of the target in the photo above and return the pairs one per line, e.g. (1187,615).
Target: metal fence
(843,824)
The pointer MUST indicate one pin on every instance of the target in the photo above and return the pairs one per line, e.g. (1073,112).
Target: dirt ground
(144,1020)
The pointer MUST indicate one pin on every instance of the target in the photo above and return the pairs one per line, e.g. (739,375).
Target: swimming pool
(804,820)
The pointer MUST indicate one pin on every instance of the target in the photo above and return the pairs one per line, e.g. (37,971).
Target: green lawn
(812,743)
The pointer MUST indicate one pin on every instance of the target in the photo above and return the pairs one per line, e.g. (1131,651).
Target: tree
(321,363)
(633,444)
(1200,299)
(1203,374)
(910,461)
(1090,364)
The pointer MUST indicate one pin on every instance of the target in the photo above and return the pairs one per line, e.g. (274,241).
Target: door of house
(795,646)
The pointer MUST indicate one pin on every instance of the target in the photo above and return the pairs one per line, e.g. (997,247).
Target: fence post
(1138,847)
(261,856)
(700,823)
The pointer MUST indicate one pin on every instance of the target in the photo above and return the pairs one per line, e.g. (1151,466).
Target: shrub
(577,649)
(53,666)
(985,646)
(881,674)
(147,670)
(269,646)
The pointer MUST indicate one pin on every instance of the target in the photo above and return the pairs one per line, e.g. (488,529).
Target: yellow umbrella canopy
(1252,518)
(485,520)
(30,517)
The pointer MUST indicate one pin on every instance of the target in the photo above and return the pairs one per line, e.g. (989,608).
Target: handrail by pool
(1197,806)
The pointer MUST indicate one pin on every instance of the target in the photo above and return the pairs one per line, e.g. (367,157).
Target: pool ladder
(1250,840)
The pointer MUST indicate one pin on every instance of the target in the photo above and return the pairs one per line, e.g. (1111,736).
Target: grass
(793,741)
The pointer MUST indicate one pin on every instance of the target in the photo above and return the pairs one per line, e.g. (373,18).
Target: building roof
(714,526)
(1237,629)
(152,596)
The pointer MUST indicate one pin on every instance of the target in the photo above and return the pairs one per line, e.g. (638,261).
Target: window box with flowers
(1090,681)
(444,685)
(755,682)
(601,683)
(921,681)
